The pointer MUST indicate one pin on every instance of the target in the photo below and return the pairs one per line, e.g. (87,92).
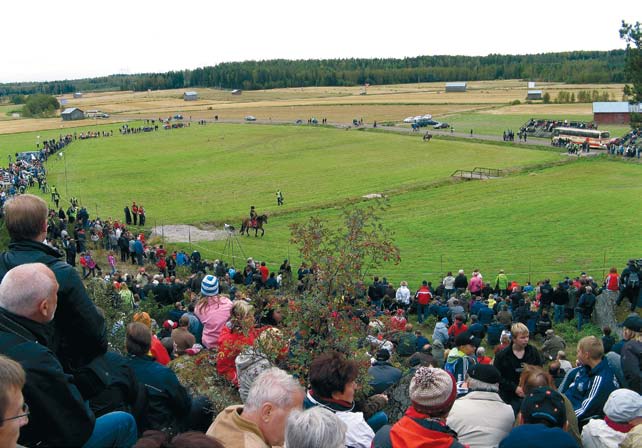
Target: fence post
(530,263)
(604,265)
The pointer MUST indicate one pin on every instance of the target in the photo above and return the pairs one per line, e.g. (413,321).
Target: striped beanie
(432,390)
(209,286)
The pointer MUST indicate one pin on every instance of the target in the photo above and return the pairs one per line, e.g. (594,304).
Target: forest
(578,67)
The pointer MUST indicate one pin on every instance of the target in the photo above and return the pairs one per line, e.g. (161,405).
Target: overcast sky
(69,39)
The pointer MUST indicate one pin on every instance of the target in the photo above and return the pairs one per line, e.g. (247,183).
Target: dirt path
(183,233)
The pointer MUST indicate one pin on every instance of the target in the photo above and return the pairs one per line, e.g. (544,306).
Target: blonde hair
(592,346)
(632,335)
(240,312)
(518,329)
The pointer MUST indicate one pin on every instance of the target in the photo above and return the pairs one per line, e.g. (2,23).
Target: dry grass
(338,104)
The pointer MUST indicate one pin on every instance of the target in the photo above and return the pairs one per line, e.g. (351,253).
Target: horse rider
(253,216)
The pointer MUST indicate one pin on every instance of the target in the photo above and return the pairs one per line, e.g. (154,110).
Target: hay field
(338,104)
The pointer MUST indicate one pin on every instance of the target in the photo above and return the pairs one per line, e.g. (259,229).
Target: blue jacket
(538,436)
(495,333)
(590,388)
(485,315)
(383,376)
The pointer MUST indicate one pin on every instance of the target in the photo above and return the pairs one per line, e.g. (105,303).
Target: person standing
(128,216)
(134,212)
(141,215)
(279,198)
(630,284)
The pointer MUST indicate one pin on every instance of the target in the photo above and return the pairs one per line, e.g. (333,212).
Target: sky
(71,39)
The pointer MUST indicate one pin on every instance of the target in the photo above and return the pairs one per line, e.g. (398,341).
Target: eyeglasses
(25,413)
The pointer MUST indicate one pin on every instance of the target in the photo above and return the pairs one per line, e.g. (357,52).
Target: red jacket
(457,328)
(230,344)
(424,296)
(416,430)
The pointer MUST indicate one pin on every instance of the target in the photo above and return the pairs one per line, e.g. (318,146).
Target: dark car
(441,126)
(178,117)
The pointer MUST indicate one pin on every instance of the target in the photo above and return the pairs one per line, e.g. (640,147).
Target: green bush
(40,106)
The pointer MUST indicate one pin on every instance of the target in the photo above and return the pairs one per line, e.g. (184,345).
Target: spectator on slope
(333,384)
(170,406)
(449,285)
(632,353)
(383,374)
(541,420)
(402,296)
(79,330)
(398,321)
(481,356)
(316,427)
(509,362)
(543,324)
(421,340)
(481,419)
(476,284)
(14,412)
(560,300)
(235,336)
(495,330)
(423,297)
(612,281)
(630,284)
(460,359)
(261,422)
(440,333)
(607,340)
(157,350)
(501,284)
(407,343)
(375,293)
(213,310)
(623,406)
(477,330)
(553,344)
(592,383)
(461,282)
(58,415)
(585,307)
(457,328)
(181,336)
(432,394)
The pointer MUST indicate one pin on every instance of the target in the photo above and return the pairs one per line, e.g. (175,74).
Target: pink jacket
(213,316)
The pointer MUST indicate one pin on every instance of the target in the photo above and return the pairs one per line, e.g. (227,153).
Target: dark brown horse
(246,225)
(427,136)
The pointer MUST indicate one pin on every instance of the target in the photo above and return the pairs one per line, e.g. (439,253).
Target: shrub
(40,105)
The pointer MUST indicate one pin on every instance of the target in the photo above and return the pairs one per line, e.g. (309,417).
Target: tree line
(575,67)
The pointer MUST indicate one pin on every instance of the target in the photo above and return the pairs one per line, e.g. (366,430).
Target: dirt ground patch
(182,233)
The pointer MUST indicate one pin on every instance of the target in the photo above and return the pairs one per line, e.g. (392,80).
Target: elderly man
(553,344)
(58,414)
(14,412)
(481,419)
(261,422)
(79,328)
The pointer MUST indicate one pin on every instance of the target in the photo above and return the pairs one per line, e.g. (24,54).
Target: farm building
(531,84)
(72,113)
(78,95)
(237,92)
(190,96)
(534,95)
(614,112)
(455,87)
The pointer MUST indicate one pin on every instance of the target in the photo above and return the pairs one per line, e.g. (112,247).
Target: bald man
(79,333)
(58,414)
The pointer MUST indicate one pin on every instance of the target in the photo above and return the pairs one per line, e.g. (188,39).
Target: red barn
(614,112)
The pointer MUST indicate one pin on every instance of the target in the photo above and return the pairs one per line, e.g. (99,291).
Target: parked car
(409,120)
(299,121)
(178,117)
(250,118)
(441,126)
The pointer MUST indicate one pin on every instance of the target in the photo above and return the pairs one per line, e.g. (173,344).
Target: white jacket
(481,419)
(403,295)
(597,434)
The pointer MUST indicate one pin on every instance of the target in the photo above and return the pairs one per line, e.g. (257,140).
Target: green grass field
(551,217)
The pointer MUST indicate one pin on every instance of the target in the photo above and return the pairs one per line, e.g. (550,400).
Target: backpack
(634,280)
(449,366)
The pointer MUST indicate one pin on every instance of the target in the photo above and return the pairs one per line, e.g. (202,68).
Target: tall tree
(633,60)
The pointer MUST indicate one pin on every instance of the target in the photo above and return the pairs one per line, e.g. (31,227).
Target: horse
(246,225)
(427,136)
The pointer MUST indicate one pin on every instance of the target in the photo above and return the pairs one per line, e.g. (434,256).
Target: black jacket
(79,330)
(58,415)
(511,368)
